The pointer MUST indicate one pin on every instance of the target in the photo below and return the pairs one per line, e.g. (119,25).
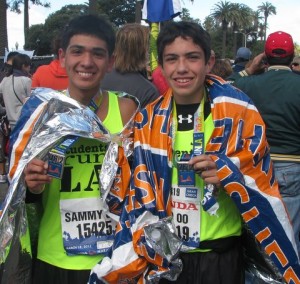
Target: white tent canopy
(28,52)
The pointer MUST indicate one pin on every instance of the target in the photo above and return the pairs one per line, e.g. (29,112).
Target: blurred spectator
(158,78)
(7,67)
(52,75)
(242,57)
(6,71)
(130,65)
(3,140)
(16,87)
(295,65)
(276,95)
(222,68)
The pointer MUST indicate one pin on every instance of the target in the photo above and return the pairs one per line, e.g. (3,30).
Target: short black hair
(171,30)
(11,54)
(286,61)
(93,25)
(20,60)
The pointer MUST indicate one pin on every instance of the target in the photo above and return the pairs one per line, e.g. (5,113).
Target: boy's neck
(186,100)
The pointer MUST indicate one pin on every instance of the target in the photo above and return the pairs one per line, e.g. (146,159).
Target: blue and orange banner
(239,147)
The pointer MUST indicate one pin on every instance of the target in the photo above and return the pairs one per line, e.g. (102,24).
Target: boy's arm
(257,66)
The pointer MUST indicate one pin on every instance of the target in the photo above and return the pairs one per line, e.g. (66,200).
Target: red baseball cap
(279,44)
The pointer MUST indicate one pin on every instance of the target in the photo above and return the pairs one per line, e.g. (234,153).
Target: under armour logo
(188,118)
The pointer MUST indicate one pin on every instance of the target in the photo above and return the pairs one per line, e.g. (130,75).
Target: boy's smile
(86,61)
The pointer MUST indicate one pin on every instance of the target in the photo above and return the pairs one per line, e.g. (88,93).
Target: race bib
(86,229)
(186,214)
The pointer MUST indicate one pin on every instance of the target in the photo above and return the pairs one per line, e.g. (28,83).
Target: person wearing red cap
(276,94)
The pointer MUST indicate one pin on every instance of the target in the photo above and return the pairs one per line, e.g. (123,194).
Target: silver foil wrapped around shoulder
(60,116)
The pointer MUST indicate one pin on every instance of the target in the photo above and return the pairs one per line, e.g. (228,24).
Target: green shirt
(79,185)
(226,223)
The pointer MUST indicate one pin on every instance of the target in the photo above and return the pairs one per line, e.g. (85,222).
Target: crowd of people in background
(213,139)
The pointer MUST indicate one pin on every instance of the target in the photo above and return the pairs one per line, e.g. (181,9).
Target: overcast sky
(286,19)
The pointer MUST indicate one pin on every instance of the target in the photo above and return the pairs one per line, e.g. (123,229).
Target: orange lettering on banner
(263,235)
(238,188)
(290,276)
(250,214)
(274,248)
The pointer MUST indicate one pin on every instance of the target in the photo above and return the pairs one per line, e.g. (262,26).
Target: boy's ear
(211,62)
(61,57)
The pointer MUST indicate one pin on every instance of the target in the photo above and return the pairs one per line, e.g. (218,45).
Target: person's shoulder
(127,102)
(128,108)
(41,69)
(5,80)
(25,79)
(123,98)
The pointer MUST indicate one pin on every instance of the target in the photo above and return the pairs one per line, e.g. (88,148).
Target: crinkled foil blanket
(61,117)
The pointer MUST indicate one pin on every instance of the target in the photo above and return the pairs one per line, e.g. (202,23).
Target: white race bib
(86,229)
(186,214)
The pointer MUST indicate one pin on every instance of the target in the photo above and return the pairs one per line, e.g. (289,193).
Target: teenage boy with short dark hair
(86,53)
(200,155)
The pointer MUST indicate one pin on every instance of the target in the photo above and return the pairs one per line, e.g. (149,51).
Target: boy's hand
(36,175)
(206,168)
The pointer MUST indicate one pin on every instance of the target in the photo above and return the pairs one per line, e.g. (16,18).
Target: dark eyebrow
(193,53)
(170,54)
(98,49)
(76,46)
(186,54)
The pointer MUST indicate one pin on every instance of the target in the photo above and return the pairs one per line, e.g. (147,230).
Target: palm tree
(257,20)
(241,18)
(267,9)
(223,13)
(15,6)
(261,31)
(245,23)
(92,6)
(209,23)
(3,27)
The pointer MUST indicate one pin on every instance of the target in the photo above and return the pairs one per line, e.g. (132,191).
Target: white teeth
(182,80)
(85,74)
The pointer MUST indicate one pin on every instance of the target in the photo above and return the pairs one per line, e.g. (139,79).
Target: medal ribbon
(209,202)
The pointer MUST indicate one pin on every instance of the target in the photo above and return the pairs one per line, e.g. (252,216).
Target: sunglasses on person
(295,64)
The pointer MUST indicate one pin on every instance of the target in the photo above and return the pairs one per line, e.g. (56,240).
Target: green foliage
(266,9)
(14,5)
(56,21)
(186,16)
(119,12)
(225,19)
(237,20)
(36,40)
(41,37)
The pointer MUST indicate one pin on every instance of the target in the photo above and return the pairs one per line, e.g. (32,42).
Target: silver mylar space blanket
(55,117)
